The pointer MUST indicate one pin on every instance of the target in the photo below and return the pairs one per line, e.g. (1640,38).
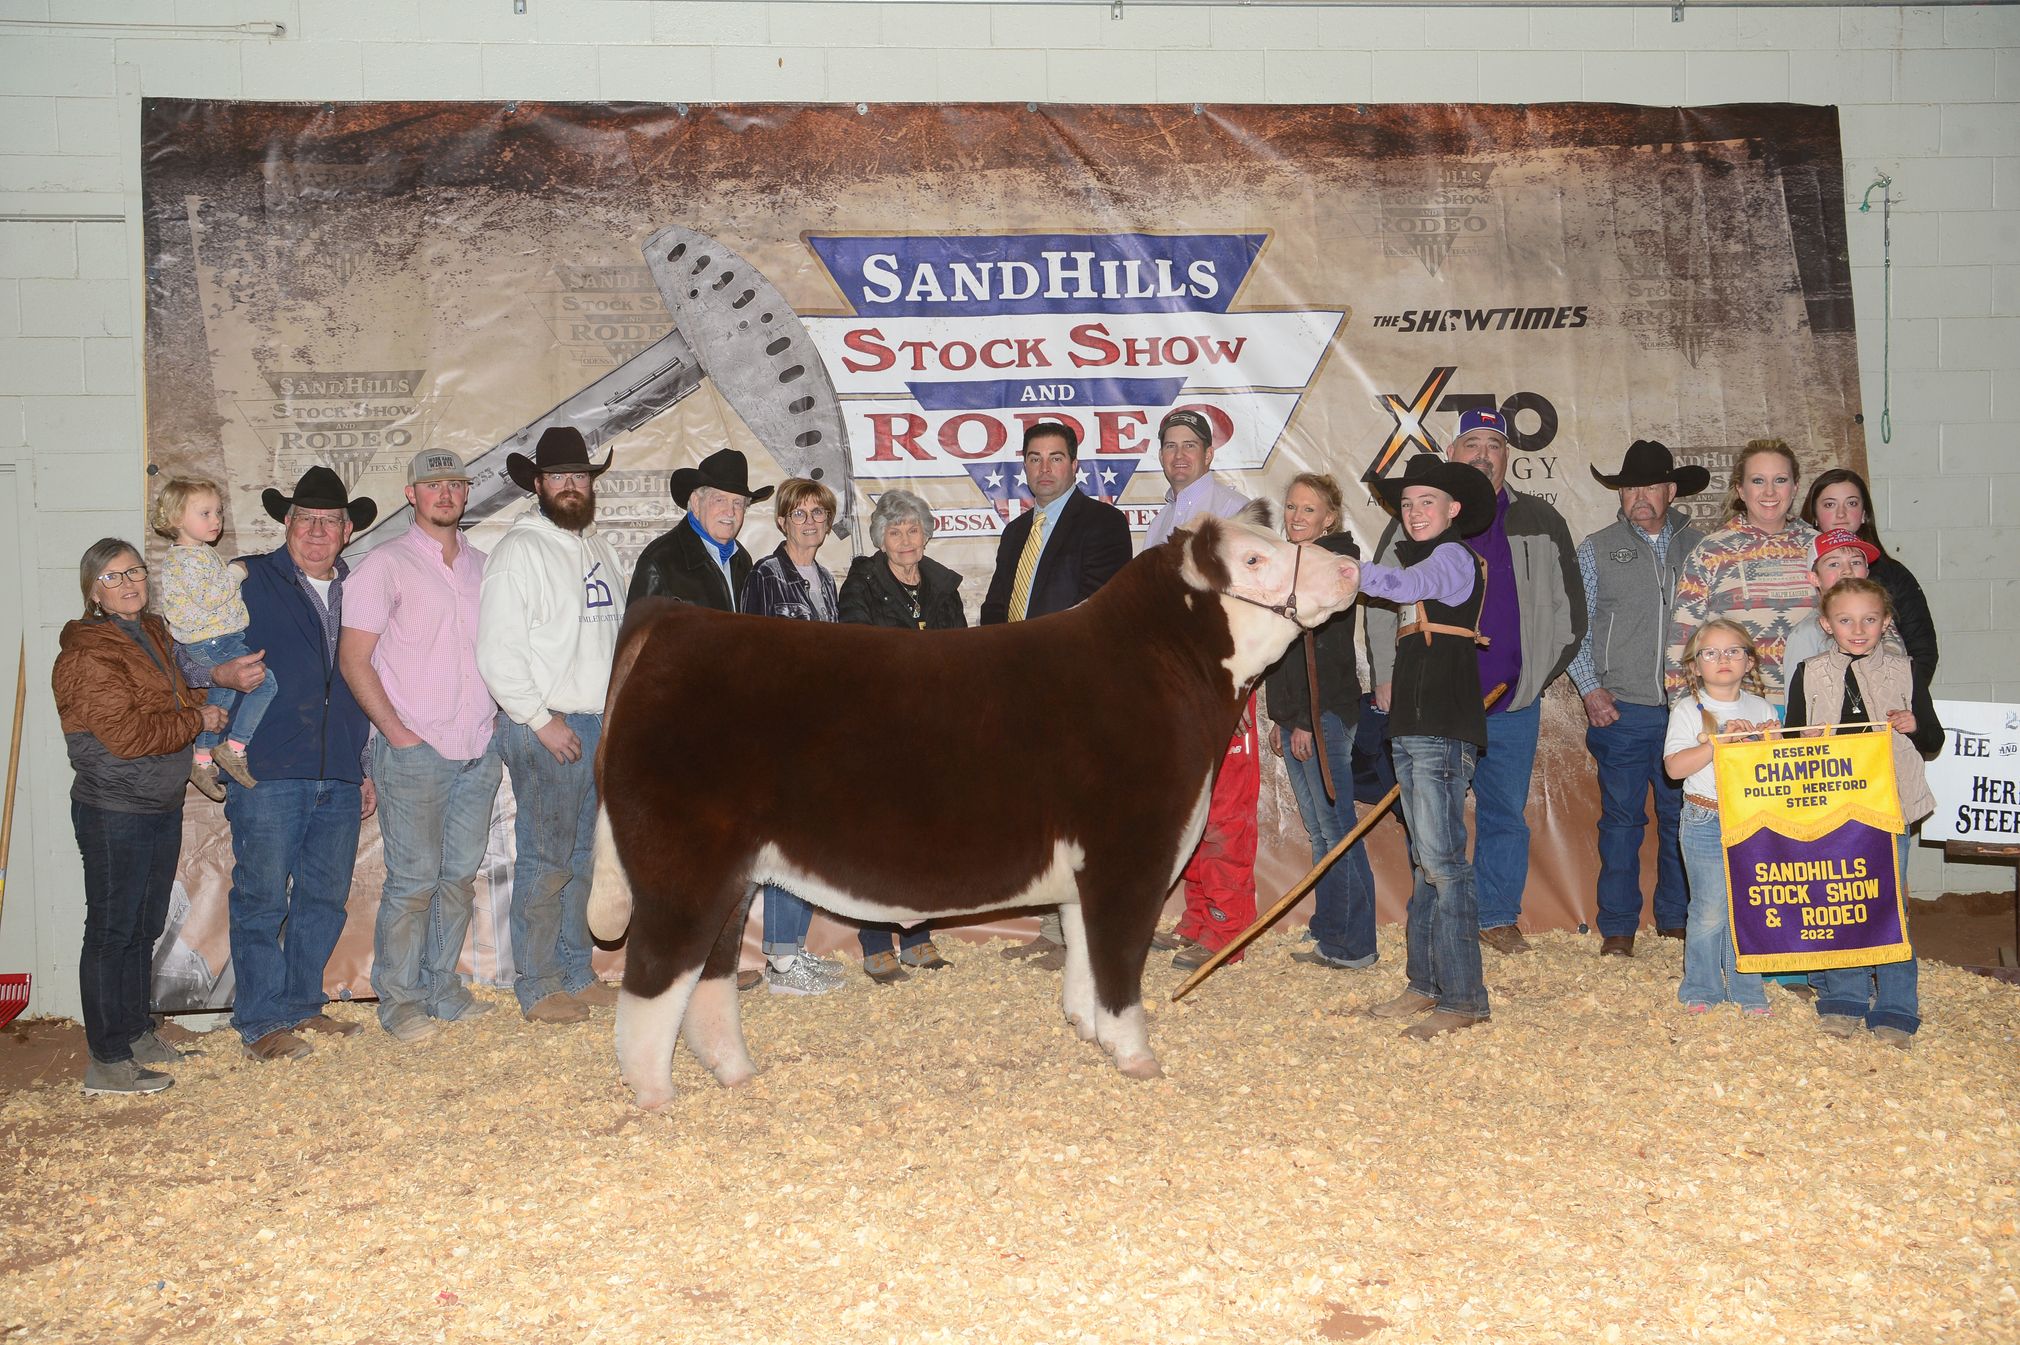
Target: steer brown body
(893,775)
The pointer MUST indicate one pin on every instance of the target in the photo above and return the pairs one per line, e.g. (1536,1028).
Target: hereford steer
(1064,761)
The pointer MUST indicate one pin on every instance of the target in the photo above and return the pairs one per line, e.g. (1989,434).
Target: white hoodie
(547,620)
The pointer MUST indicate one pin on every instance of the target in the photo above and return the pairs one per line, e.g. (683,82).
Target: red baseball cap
(1843,537)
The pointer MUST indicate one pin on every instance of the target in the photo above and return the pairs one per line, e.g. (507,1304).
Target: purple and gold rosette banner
(1810,826)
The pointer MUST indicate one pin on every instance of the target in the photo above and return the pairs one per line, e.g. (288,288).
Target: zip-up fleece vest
(1886,682)
(1631,606)
(1436,691)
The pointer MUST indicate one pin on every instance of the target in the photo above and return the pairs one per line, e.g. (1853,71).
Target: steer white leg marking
(609,889)
(1195,827)
(1124,1035)
(1078,997)
(646,1032)
(713,1030)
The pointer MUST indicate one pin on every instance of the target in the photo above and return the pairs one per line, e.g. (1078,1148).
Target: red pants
(1220,876)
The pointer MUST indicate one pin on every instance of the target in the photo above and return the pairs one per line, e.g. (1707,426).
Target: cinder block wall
(1929,96)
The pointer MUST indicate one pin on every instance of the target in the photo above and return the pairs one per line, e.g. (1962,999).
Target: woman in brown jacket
(128,721)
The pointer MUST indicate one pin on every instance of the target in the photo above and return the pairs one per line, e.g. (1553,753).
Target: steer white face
(1262,568)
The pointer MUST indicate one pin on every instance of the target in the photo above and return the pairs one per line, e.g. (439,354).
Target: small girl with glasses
(1726,695)
(200,601)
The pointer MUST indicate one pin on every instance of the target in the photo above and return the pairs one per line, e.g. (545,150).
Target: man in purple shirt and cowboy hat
(1533,618)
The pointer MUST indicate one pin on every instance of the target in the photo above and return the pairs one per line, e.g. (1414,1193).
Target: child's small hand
(1903,721)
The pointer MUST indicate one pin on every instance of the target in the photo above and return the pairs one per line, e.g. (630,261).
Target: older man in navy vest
(1629,569)
(294,835)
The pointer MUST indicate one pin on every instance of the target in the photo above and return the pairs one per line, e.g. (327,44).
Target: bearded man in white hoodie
(551,604)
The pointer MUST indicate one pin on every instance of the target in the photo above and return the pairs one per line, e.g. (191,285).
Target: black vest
(1436,689)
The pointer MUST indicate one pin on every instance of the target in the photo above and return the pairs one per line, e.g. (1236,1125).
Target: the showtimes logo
(1561,318)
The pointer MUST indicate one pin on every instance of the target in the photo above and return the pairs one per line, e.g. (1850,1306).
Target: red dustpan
(13,984)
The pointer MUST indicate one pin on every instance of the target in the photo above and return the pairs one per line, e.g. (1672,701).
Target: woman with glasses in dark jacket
(128,721)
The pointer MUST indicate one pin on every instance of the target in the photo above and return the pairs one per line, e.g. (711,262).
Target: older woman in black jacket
(900,587)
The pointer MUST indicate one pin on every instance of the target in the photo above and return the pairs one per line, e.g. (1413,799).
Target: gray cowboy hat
(724,470)
(561,449)
(320,488)
(1649,463)
(1468,485)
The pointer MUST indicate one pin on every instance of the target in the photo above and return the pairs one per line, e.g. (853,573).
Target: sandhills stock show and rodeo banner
(884,295)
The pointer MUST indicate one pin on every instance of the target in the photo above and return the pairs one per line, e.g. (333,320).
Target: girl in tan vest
(1861,681)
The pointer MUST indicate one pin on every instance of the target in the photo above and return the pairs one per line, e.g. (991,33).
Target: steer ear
(1257,513)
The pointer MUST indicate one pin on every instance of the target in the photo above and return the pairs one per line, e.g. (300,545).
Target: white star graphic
(994,478)
(1107,476)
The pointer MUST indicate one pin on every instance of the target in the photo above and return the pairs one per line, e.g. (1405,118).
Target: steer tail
(609,887)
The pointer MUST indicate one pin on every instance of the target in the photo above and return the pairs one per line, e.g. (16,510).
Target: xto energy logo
(1531,419)
(957,343)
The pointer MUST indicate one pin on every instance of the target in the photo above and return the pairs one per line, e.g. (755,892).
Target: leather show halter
(1288,610)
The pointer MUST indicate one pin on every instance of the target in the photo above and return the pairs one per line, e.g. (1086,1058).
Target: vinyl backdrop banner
(884,295)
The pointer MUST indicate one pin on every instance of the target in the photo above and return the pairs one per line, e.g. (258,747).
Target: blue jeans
(1343,907)
(877,938)
(434,817)
(293,843)
(1628,755)
(129,869)
(1884,996)
(1501,831)
(1444,925)
(246,708)
(787,919)
(1711,972)
(555,833)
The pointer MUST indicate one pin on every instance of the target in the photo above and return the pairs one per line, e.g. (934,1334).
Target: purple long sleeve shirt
(1446,576)
(1501,614)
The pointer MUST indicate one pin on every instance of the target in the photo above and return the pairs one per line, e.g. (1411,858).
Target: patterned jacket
(1759,579)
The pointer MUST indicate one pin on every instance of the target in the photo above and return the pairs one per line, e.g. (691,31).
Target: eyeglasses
(114,578)
(567,478)
(808,516)
(320,522)
(1720,655)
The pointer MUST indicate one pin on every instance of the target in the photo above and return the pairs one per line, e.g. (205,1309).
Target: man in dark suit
(1081,542)
(1055,554)
(699,559)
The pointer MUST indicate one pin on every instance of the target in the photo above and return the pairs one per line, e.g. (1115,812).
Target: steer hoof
(1082,1026)
(731,1076)
(1141,1067)
(653,1101)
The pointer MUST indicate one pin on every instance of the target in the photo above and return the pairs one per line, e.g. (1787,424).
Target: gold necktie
(1027,566)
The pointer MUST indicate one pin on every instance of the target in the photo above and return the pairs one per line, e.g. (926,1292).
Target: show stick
(1306,883)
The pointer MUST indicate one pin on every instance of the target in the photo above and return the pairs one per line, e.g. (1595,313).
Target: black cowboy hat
(724,470)
(1468,485)
(320,488)
(561,449)
(1648,463)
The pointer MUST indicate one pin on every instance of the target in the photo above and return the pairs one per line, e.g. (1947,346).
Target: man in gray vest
(1630,568)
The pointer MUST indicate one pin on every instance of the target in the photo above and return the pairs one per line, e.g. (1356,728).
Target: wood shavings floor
(945,1161)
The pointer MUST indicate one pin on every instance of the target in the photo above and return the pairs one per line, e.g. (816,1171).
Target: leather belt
(1701,801)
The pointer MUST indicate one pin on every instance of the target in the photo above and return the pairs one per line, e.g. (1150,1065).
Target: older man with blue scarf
(699,560)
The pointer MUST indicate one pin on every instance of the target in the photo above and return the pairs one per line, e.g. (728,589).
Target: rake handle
(13,762)
(1306,883)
